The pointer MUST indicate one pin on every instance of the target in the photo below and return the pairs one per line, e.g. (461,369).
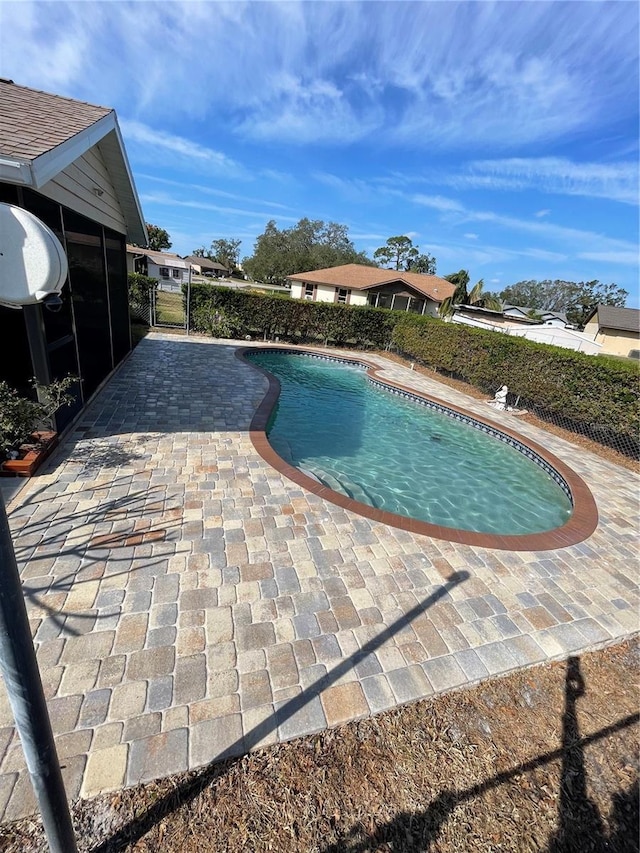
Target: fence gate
(168,308)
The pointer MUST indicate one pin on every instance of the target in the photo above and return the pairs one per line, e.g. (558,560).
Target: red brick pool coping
(580,526)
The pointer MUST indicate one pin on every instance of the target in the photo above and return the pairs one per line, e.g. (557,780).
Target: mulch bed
(542,760)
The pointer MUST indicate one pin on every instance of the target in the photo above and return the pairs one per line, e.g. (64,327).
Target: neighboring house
(617,330)
(518,313)
(355,284)
(550,329)
(170,270)
(65,162)
(207,267)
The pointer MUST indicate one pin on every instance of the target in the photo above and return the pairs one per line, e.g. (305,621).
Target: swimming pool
(405,455)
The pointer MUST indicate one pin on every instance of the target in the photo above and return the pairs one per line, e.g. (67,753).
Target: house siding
(75,187)
(173,282)
(617,342)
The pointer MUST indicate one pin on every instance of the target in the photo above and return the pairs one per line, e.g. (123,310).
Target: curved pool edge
(580,526)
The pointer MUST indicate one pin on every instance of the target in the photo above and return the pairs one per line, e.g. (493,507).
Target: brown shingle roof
(205,263)
(33,122)
(620,319)
(161,259)
(359,277)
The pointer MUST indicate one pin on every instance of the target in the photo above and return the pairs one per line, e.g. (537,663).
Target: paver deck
(188,602)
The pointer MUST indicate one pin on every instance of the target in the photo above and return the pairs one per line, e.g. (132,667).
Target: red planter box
(32,455)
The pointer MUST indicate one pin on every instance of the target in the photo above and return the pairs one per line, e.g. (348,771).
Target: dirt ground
(543,760)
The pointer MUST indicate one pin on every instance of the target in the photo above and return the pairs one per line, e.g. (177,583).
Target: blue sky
(502,137)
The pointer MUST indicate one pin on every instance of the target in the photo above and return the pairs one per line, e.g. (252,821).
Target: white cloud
(470,236)
(494,74)
(206,190)
(541,213)
(437,202)
(151,139)
(169,201)
(622,257)
(613,181)
(574,241)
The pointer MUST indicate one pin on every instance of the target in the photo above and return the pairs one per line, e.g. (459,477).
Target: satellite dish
(33,265)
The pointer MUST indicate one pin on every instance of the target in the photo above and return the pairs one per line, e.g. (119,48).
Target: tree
(225,252)
(400,253)
(158,238)
(425,263)
(310,245)
(578,300)
(397,251)
(462,296)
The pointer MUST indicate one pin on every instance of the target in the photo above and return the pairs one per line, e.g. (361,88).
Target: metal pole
(188,298)
(22,678)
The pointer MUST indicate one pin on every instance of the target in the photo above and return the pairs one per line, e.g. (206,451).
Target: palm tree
(461,296)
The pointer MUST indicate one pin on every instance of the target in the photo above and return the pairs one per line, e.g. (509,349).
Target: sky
(502,137)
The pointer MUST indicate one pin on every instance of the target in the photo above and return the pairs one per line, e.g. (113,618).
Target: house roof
(360,277)
(205,263)
(620,319)
(546,314)
(42,134)
(160,259)
(33,122)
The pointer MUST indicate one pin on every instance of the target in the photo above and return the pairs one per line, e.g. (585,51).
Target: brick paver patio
(188,602)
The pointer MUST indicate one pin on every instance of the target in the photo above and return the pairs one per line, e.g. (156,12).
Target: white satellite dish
(33,265)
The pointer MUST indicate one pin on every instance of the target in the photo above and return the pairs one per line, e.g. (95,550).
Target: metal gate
(168,308)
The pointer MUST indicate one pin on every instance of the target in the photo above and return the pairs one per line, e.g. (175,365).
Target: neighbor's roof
(160,259)
(42,134)
(620,319)
(359,277)
(205,263)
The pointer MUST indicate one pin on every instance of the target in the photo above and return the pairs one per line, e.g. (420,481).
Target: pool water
(395,454)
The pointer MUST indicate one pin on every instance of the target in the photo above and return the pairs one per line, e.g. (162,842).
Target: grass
(542,760)
(169,308)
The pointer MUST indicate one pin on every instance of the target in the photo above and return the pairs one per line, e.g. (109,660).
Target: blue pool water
(395,454)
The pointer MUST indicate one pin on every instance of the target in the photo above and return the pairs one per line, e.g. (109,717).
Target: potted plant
(26,437)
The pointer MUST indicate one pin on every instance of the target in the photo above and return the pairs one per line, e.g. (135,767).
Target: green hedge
(598,396)
(592,395)
(278,315)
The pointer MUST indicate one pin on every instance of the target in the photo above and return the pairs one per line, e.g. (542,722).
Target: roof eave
(44,168)
(117,163)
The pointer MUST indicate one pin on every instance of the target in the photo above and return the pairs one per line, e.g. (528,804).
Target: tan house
(355,284)
(207,267)
(616,329)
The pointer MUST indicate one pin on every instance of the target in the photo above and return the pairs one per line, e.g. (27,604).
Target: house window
(309,291)
(342,295)
(164,272)
(177,274)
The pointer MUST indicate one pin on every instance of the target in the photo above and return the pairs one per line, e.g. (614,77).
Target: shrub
(597,397)
(21,416)
(140,290)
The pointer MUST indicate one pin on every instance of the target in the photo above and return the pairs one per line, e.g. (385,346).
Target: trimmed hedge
(277,315)
(592,395)
(597,396)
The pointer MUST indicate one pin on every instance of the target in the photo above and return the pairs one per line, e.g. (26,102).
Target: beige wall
(75,188)
(615,342)
(327,293)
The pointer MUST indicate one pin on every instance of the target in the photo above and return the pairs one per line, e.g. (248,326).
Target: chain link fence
(626,445)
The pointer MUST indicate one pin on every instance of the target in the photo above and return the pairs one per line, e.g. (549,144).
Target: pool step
(342,486)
